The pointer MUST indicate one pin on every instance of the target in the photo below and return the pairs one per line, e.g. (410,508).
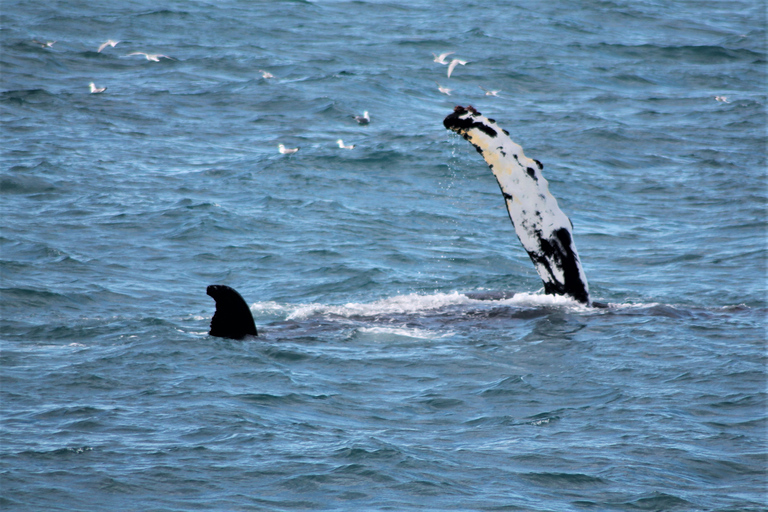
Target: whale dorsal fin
(232,318)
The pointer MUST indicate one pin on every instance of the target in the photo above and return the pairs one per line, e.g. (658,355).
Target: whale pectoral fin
(233,318)
(543,229)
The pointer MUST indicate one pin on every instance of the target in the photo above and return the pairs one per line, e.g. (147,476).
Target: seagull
(342,146)
(109,42)
(96,90)
(441,58)
(453,65)
(724,99)
(489,93)
(44,44)
(266,74)
(286,151)
(444,90)
(363,119)
(154,57)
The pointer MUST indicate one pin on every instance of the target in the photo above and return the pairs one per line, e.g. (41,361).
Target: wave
(23,96)
(404,332)
(702,54)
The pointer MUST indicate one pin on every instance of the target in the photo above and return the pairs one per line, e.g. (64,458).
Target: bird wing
(452,65)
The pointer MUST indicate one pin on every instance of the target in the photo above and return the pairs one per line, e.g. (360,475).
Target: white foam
(400,304)
(269,308)
(410,304)
(543,300)
(634,305)
(406,332)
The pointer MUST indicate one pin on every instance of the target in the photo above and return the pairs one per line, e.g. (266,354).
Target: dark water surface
(376,384)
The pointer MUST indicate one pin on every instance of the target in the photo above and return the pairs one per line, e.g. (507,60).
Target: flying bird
(441,58)
(342,146)
(109,42)
(96,90)
(266,74)
(444,90)
(44,44)
(489,93)
(724,99)
(363,119)
(286,151)
(154,57)
(452,65)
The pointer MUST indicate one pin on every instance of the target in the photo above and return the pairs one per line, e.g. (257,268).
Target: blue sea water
(376,383)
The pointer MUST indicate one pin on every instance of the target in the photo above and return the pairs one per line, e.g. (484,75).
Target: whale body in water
(542,227)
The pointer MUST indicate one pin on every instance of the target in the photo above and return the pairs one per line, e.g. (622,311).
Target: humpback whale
(542,227)
(544,230)
(233,318)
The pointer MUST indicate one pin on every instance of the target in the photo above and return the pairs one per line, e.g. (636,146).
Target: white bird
(724,99)
(342,146)
(363,119)
(452,65)
(489,93)
(444,90)
(44,44)
(154,57)
(109,42)
(286,151)
(266,74)
(441,58)
(96,90)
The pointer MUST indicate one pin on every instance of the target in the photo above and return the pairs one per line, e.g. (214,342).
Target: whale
(233,318)
(545,232)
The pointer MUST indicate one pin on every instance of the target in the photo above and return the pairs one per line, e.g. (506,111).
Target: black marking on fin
(559,251)
(570,266)
(233,318)
(461,125)
(531,173)
(541,165)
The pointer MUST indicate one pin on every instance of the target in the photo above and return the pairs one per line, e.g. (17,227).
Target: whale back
(233,318)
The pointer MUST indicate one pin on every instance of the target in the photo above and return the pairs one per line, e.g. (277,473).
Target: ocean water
(376,383)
